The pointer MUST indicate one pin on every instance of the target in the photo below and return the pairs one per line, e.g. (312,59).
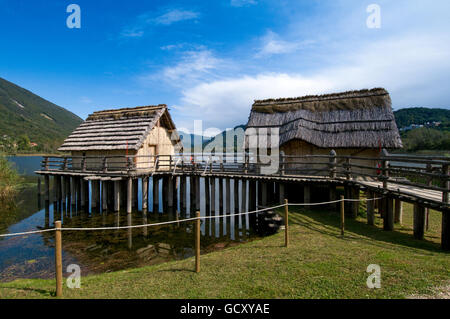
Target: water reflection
(111,250)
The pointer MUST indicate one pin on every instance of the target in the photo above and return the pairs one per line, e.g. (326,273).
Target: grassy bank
(318,264)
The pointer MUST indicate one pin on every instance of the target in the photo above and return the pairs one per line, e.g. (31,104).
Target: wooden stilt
(282,196)
(445,240)
(398,212)
(212,181)
(228,204)
(244,206)
(370,209)
(183,195)
(388,222)
(207,206)
(129,195)
(252,203)
(264,193)
(73,191)
(419,221)
(332,197)
(155,194)
(236,208)
(170,193)
(116,196)
(104,196)
(135,193)
(145,194)
(191,195)
(306,195)
(197,193)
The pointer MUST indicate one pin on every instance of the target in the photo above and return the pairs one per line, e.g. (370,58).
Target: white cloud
(147,20)
(176,15)
(242,3)
(194,66)
(408,67)
(272,44)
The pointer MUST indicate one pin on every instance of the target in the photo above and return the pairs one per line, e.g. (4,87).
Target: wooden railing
(413,171)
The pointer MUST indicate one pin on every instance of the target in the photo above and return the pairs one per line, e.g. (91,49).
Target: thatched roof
(355,119)
(117,129)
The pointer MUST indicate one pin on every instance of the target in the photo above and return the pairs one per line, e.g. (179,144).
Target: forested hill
(27,119)
(420,116)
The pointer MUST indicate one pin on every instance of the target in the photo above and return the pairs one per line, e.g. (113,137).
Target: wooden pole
(286,223)
(370,209)
(58,259)
(419,221)
(388,222)
(445,238)
(197,243)
(342,215)
(129,195)
(398,219)
(116,196)
(145,194)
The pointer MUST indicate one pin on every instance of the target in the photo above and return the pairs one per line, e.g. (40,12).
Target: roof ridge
(130,109)
(327,97)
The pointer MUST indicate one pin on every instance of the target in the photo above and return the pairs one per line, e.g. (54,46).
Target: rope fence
(187,219)
(58,231)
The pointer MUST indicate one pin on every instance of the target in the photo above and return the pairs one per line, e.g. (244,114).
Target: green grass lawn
(318,264)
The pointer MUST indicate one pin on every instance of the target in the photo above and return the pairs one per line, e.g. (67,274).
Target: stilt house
(141,131)
(356,123)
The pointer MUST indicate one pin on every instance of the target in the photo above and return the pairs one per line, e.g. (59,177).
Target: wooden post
(286,223)
(82,192)
(47,188)
(244,206)
(398,219)
(104,196)
(236,208)
(145,194)
(197,193)
(228,199)
(155,194)
(355,204)
(170,191)
(385,162)
(252,203)
(342,215)
(263,194)
(306,195)
(183,194)
(419,221)
(446,183)
(332,197)
(135,193)
(207,196)
(73,191)
(220,196)
(282,197)
(197,243)
(445,241)
(129,195)
(116,196)
(58,259)
(388,222)
(370,209)
(212,181)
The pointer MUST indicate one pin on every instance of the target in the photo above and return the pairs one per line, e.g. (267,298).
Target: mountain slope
(420,115)
(26,115)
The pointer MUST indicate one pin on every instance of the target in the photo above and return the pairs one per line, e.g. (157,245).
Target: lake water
(32,256)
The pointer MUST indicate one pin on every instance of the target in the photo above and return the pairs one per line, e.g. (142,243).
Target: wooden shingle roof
(117,129)
(354,119)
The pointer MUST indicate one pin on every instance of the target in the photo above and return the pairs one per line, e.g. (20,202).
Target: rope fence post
(197,243)
(342,215)
(286,223)
(58,259)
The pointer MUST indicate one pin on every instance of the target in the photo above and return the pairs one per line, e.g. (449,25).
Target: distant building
(356,123)
(140,131)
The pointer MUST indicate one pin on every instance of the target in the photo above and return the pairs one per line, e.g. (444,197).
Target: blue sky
(209,60)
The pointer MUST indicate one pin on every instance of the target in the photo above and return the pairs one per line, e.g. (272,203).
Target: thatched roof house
(146,130)
(352,123)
